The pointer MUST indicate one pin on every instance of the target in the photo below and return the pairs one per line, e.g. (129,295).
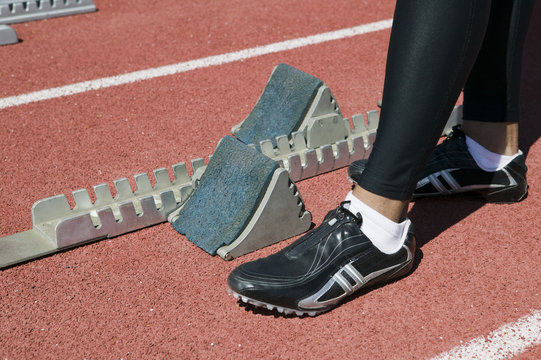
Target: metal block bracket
(7,35)
(324,142)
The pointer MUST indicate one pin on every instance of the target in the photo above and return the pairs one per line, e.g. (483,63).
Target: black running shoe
(355,169)
(316,272)
(452,170)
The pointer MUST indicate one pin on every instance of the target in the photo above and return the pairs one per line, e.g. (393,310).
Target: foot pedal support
(279,216)
(7,35)
(16,11)
(323,141)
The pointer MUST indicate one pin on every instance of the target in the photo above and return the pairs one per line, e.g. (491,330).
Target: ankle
(500,138)
(394,210)
(388,236)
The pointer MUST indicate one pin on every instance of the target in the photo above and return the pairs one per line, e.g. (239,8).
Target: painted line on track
(181,67)
(507,341)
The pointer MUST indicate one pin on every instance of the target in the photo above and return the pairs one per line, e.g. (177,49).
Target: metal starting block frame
(16,11)
(57,226)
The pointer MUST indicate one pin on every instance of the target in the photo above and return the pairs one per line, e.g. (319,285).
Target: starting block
(321,140)
(244,201)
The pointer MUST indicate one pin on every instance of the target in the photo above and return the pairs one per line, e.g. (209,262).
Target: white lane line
(191,65)
(507,341)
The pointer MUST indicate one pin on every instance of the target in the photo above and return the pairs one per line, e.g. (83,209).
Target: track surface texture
(152,294)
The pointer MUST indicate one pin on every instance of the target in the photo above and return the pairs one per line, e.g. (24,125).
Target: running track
(153,294)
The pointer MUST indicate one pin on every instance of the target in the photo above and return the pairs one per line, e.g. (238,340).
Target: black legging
(434,46)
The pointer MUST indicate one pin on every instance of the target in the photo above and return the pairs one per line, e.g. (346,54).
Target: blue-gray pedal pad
(243,201)
(282,106)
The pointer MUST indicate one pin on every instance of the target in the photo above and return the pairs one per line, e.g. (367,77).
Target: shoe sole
(271,307)
(396,272)
(509,195)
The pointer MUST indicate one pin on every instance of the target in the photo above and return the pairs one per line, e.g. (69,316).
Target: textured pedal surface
(16,11)
(229,191)
(282,106)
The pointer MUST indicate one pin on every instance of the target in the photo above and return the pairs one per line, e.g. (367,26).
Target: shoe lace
(314,235)
(456,131)
(342,212)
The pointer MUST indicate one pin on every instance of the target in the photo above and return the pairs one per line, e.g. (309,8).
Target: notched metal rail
(57,226)
(303,162)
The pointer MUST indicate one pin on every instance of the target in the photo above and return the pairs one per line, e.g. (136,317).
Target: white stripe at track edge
(507,341)
(181,67)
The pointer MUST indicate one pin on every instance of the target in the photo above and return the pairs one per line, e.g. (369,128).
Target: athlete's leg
(491,94)
(432,50)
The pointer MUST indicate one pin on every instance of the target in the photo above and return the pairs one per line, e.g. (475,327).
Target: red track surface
(152,293)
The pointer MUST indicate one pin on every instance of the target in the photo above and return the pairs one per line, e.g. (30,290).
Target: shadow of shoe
(432,216)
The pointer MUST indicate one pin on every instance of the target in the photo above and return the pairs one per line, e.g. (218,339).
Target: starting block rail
(16,11)
(56,226)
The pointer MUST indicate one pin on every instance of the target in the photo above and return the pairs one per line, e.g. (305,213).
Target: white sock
(387,235)
(486,159)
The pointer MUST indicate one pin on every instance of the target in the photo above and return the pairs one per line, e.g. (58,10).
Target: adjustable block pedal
(290,102)
(243,202)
